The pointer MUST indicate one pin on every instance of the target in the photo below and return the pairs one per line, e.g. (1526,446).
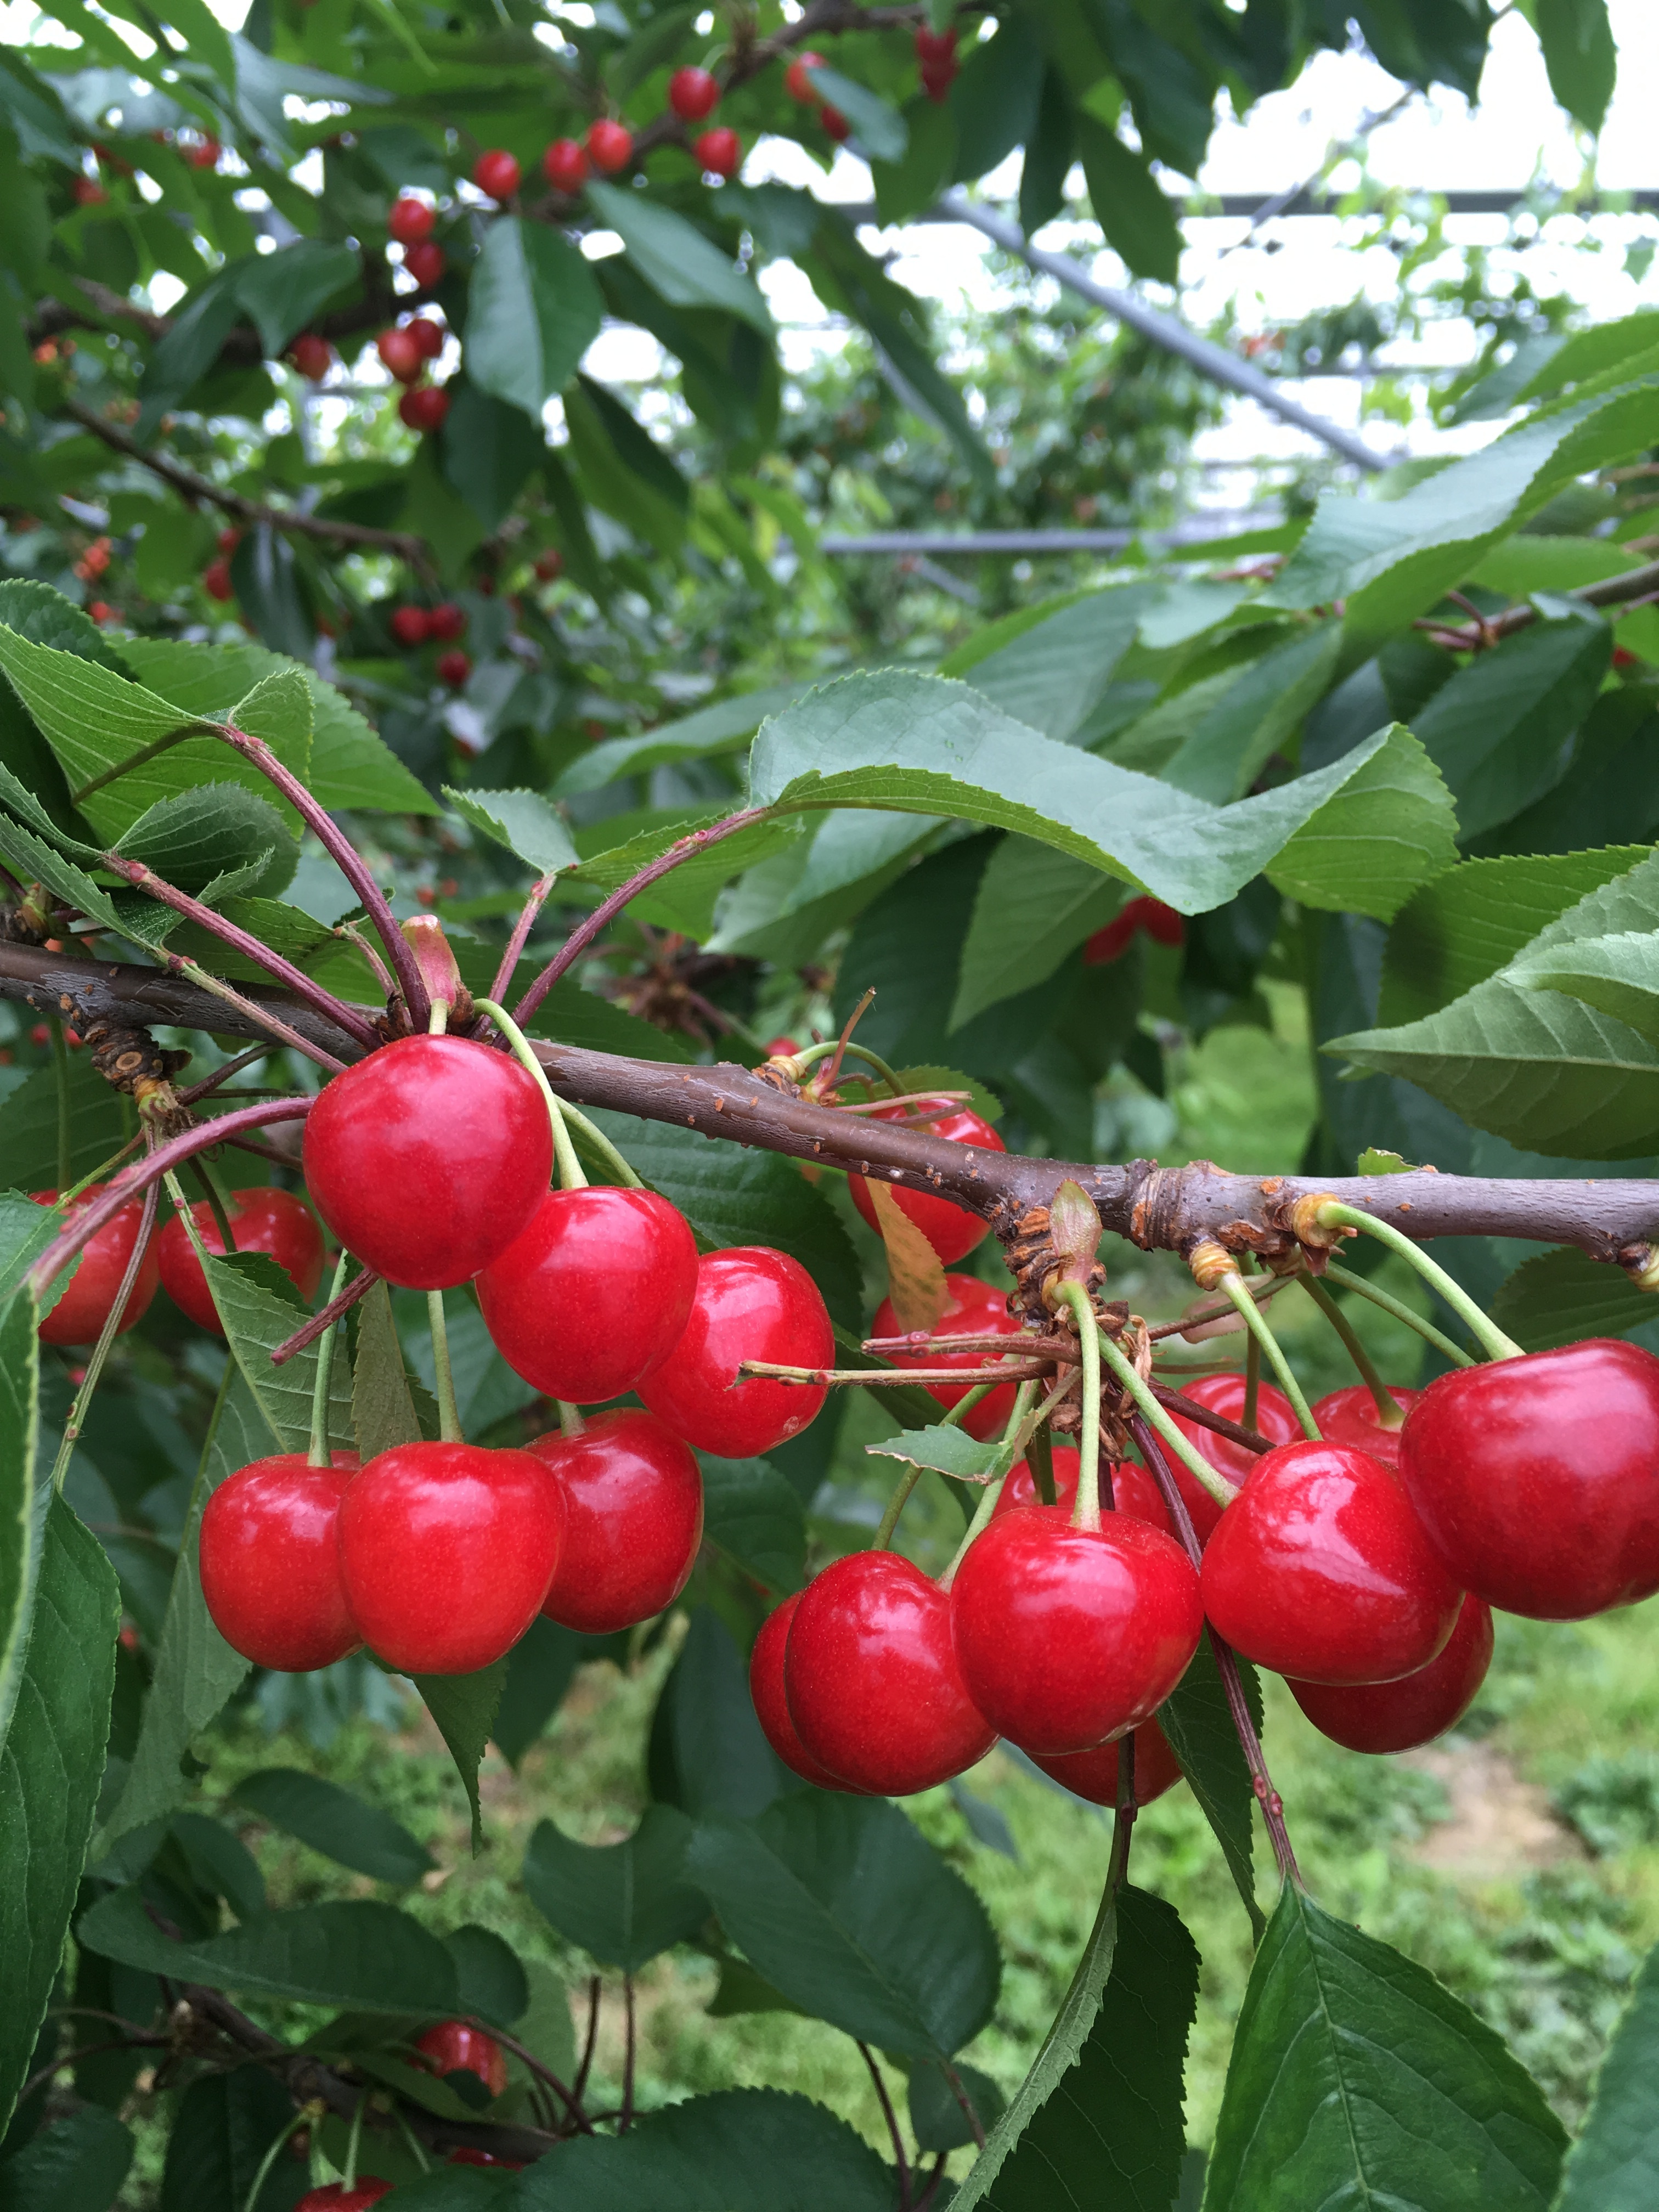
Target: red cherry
(972,1307)
(454,2047)
(1349,1417)
(935,46)
(261,1220)
(446,622)
(424,408)
(595,1292)
(565,166)
(1400,1716)
(87,191)
(949,1229)
(270,1566)
(798,77)
(1320,1569)
(1161,923)
(334,2196)
(410,626)
(1224,1394)
(610,146)
(454,668)
(1067,1637)
(633,1521)
(834,124)
(750,1303)
(311,355)
(79,1315)
(1093,1774)
(497,172)
(693,94)
(425,1116)
(426,263)
(400,351)
(1133,1491)
(428,335)
(719,152)
(937,78)
(872,1679)
(447,1552)
(409,220)
(1534,1477)
(772,1706)
(550,565)
(205,156)
(215,580)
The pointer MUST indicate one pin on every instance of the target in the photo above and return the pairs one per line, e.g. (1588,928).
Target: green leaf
(676,259)
(1256,716)
(622,1903)
(257,1318)
(725,727)
(982,1101)
(1613,2167)
(881,130)
(77,2163)
(994,100)
(533,311)
(464,1707)
(21,1526)
(225,2124)
(382,1407)
(1617,976)
(216,840)
(97,1124)
(540,1668)
(333,1821)
(622,471)
(523,821)
(707,1754)
(1390,829)
(948,1451)
(489,449)
(1053,672)
(937,2121)
(1196,1720)
(1108,2129)
(1579,55)
(1130,205)
(1356,2078)
(371,1957)
(282,292)
(843,1906)
(546,2027)
(488,1979)
(1557,1297)
(755,1516)
(1033,906)
(785,907)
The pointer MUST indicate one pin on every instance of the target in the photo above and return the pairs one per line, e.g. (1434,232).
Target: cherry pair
(80,1313)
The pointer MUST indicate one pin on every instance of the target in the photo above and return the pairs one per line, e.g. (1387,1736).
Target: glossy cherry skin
(262,1219)
(428,1158)
(497,172)
(79,1315)
(565,166)
(972,1309)
(633,1520)
(693,94)
(425,409)
(951,1230)
(426,262)
(594,1293)
(454,2047)
(872,1679)
(1224,1394)
(1400,1716)
(1093,1774)
(718,151)
(1067,1637)
(409,220)
(610,146)
(1349,1417)
(1133,1491)
(772,1705)
(750,1303)
(447,1552)
(335,2196)
(270,1563)
(1320,1569)
(1538,1478)
(400,351)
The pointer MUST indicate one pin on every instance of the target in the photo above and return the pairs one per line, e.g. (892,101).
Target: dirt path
(1500,1825)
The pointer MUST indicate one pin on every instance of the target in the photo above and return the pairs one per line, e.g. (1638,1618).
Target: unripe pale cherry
(1381,1716)
(972,1307)
(952,1230)
(262,1219)
(750,1303)
(1093,1774)
(270,1562)
(633,1520)
(80,1314)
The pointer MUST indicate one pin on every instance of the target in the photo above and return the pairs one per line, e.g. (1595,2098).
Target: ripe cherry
(446,622)
(1093,1774)
(798,77)
(270,1565)
(1535,1478)
(872,1679)
(400,351)
(550,565)
(447,1552)
(949,1229)
(1400,1716)
(454,668)
(426,262)
(633,1521)
(454,2047)
(428,1116)
(594,1293)
(1225,1394)
(935,46)
(87,191)
(334,2196)
(261,1220)
(428,335)
(750,1303)
(1133,1491)
(311,355)
(1320,1569)
(205,155)
(1350,1417)
(409,220)
(215,580)
(972,1307)
(836,124)
(693,94)
(772,1706)
(79,1315)
(937,78)
(1067,1637)
(719,152)
(425,409)
(610,146)
(410,626)
(1160,922)
(565,166)
(497,172)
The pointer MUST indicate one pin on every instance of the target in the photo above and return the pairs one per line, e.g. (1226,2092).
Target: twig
(900,2161)
(325,1320)
(1611,592)
(1020,1371)
(521,929)
(591,2040)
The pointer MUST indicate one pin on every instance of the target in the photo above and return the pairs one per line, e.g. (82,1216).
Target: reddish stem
(592,2039)
(891,2118)
(521,929)
(325,1320)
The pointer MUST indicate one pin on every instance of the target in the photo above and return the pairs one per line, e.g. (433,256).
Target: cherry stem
(571,1174)
(1010,1445)
(320,1454)
(575,1119)
(321,1322)
(1389,1415)
(1252,1383)
(449,1420)
(193,972)
(1232,1286)
(1153,1416)
(106,1336)
(902,2164)
(890,1378)
(1085,1514)
(263,2173)
(813,1052)
(1390,1304)
(60,1076)
(931,1099)
(1333,1214)
(521,929)
(571,1423)
(198,1245)
(437,1019)
(216,1202)
(625,2118)
(354,2144)
(832,1074)
(1261,1287)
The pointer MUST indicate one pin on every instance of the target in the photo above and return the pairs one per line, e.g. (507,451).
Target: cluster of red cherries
(454,2047)
(416,626)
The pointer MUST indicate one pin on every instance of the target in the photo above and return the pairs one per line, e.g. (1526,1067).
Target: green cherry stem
(320,1454)
(1085,1514)
(1333,1214)
(1388,1413)
(912,1474)
(106,1336)
(1232,1286)
(261,2174)
(814,1053)
(571,1176)
(1156,1418)
(449,1420)
(602,1145)
(1390,1304)
(1252,1381)
(571,1423)
(993,1491)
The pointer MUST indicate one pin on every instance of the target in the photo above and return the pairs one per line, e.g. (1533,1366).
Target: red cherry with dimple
(1093,1774)
(633,1521)
(798,77)
(1399,1715)
(772,1705)
(270,1563)
(447,1552)
(335,2196)
(428,1158)
(949,1229)
(79,1315)
(1133,1491)
(750,1303)
(410,626)
(1537,1478)
(872,1679)
(972,1307)
(1224,1394)
(497,172)
(409,220)
(693,94)
(311,355)
(719,152)
(595,1292)
(1350,1417)
(426,262)
(261,1220)
(1067,1637)
(610,146)
(454,2047)
(425,409)
(400,351)
(1321,1569)
(565,166)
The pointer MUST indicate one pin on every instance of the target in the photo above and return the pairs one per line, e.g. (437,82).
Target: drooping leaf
(1130,205)
(489,1980)
(1035,904)
(334,1821)
(1579,55)
(622,1903)
(676,259)
(283,291)
(1200,1728)
(1256,715)
(258,1318)
(22,1528)
(534,310)
(98,1127)
(464,1707)
(540,1668)
(1613,2167)
(708,1756)
(1560,1297)
(382,1409)
(937,2120)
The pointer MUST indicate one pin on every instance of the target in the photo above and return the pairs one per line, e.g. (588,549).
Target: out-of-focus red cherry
(1160,922)
(565,166)
(610,146)
(693,94)
(311,355)
(426,262)
(409,220)
(497,172)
